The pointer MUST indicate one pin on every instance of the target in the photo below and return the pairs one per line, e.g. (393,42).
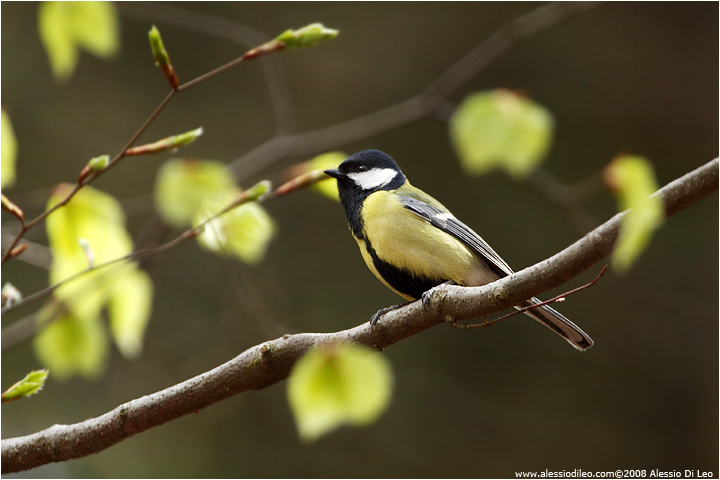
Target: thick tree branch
(270,362)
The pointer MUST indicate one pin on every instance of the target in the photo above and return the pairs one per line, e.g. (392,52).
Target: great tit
(412,243)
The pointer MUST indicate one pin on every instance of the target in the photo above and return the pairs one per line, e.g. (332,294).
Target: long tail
(556,322)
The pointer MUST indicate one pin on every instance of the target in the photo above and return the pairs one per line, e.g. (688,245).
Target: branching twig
(556,298)
(136,255)
(25,226)
(565,197)
(414,108)
(270,362)
(220,27)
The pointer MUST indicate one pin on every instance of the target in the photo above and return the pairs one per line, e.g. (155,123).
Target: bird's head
(366,172)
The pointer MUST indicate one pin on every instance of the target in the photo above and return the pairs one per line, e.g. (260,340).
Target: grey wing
(446,222)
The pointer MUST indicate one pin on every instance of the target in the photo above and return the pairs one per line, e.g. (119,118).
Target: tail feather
(556,322)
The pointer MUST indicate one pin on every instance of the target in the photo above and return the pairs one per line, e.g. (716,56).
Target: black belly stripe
(400,279)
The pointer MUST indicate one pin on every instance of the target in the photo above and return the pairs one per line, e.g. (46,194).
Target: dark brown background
(623,77)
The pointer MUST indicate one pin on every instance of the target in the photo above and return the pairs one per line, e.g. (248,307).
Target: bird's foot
(375,318)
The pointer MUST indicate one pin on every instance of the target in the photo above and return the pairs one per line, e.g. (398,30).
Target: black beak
(335,173)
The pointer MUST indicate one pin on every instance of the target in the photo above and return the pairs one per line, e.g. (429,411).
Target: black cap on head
(368,159)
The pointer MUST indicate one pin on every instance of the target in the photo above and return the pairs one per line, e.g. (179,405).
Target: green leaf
(263,187)
(90,214)
(98,163)
(633,181)
(91,224)
(9,152)
(162,59)
(97,218)
(69,346)
(67,26)
(129,311)
(169,143)
(56,35)
(183,185)
(307,36)
(30,385)
(182,139)
(326,161)
(243,232)
(343,384)
(501,129)
(158,48)
(95,27)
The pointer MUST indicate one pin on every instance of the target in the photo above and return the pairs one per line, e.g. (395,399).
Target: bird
(412,243)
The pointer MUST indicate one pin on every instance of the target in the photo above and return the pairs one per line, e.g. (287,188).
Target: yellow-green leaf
(9,151)
(129,311)
(67,26)
(336,385)
(307,36)
(98,163)
(91,214)
(501,129)
(257,191)
(157,47)
(326,161)
(183,185)
(160,54)
(69,346)
(30,385)
(633,181)
(243,232)
(56,35)
(95,27)
(97,218)
(169,143)
(90,229)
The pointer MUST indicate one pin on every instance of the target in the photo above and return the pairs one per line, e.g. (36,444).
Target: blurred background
(621,77)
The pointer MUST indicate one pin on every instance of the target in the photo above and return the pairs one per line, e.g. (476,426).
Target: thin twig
(36,254)
(27,327)
(14,242)
(245,295)
(22,325)
(136,255)
(556,298)
(223,28)
(115,160)
(211,74)
(24,227)
(414,108)
(563,197)
(500,42)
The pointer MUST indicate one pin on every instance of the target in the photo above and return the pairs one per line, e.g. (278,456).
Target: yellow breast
(408,242)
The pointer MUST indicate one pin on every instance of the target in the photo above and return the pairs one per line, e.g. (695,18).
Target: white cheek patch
(375,178)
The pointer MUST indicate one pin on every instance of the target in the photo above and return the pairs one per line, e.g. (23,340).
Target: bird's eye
(362,168)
